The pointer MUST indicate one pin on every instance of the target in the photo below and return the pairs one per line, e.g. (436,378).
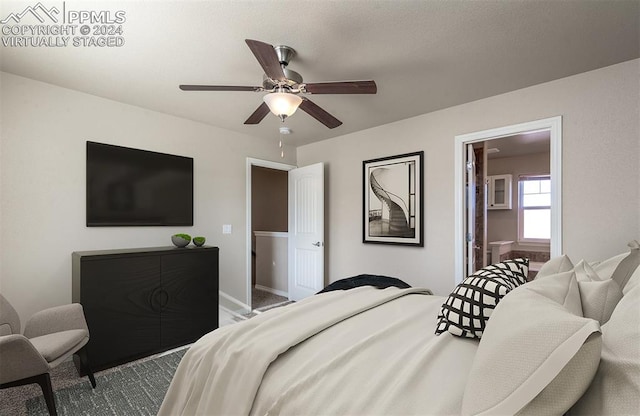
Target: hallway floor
(261,299)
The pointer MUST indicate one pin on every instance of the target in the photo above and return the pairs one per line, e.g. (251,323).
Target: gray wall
(601,174)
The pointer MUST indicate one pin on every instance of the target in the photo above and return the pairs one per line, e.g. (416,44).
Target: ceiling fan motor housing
(285,54)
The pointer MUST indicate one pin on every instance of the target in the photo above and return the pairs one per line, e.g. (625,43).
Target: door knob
(317,244)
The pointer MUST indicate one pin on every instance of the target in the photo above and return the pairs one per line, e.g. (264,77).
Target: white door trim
(264,164)
(554,125)
(470,224)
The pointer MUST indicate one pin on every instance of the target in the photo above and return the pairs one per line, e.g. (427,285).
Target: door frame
(470,181)
(263,164)
(554,126)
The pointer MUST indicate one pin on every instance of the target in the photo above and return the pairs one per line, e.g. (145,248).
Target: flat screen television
(131,187)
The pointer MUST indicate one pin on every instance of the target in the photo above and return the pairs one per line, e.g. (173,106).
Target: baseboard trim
(271,290)
(232,313)
(239,307)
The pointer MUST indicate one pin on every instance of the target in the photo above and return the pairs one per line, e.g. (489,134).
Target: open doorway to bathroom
(518,199)
(507,199)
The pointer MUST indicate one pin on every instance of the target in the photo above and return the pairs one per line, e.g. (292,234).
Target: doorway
(475,189)
(267,228)
(305,233)
(517,207)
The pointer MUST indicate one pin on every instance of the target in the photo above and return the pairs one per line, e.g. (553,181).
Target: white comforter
(361,351)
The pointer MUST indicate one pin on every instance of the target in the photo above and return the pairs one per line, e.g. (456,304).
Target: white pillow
(606,267)
(615,389)
(619,267)
(585,272)
(634,281)
(561,288)
(532,346)
(599,296)
(555,265)
(628,265)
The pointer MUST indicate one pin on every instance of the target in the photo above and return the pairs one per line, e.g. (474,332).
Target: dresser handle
(164,295)
(159,299)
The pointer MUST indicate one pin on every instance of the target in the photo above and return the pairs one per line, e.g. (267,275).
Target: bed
(568,342)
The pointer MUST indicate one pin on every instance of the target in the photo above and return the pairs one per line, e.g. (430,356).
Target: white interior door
(306,231)
(470,199)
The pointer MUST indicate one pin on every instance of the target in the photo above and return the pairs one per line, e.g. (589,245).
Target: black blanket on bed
(380,282)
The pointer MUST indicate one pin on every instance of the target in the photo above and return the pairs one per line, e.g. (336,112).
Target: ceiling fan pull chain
(284,130)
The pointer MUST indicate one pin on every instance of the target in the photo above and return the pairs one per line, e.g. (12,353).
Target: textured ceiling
(424,55)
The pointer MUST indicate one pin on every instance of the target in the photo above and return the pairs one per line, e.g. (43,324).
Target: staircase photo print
(393,200)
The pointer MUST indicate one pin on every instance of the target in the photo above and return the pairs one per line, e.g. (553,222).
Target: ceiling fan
(284,87)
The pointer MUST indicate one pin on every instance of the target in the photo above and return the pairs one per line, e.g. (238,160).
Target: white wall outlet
(226,229)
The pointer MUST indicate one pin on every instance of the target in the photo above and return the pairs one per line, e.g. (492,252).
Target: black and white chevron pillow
(467,309)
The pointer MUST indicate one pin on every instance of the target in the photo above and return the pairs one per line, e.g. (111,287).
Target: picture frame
(393,200)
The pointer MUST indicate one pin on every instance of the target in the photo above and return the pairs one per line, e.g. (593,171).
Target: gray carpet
(134,389)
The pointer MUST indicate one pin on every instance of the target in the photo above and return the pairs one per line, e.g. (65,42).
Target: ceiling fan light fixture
(282,104)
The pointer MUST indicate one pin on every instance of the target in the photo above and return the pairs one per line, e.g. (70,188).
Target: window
(534,208)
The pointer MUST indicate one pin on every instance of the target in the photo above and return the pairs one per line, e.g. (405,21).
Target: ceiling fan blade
(218,88)
(342,87)
(319,114)
(268,59)
(258,115)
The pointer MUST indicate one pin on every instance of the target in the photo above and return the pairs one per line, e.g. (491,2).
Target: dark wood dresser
(138,302)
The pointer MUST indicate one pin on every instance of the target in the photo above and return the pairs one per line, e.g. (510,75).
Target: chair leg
(84,360)
(45,384)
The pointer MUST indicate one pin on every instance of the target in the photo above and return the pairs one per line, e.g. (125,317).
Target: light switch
(226,229)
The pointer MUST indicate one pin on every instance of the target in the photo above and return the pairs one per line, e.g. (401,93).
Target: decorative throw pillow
(599,296)
(555,265)
(469,306)
(535,356)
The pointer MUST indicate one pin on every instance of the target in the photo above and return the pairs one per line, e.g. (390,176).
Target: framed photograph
(393,200)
